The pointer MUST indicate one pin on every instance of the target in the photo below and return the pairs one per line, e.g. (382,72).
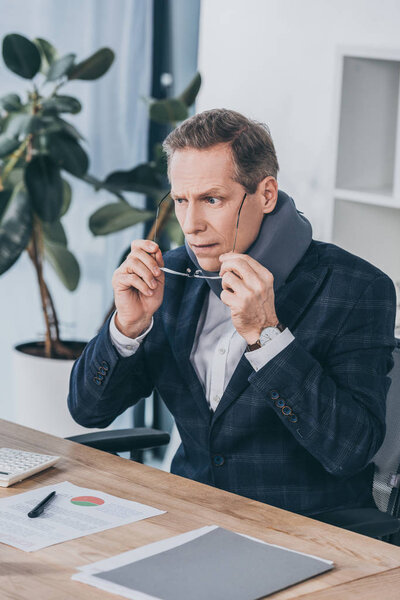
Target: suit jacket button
(293,418)
(102,370)
(280,403)
(218,460)
(274,395)
(105,365)
(97,380)
(286,410)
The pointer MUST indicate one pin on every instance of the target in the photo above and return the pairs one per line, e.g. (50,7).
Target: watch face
(268,333)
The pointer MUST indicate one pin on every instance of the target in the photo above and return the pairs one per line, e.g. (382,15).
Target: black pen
(35,512)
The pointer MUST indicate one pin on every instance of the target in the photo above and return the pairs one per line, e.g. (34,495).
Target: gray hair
(252,148)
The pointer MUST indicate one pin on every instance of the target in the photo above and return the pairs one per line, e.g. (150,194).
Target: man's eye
(179,200)
(212,200)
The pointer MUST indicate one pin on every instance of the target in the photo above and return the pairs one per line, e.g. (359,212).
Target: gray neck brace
(283,239)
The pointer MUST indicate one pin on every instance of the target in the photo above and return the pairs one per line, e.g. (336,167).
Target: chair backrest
(387,460)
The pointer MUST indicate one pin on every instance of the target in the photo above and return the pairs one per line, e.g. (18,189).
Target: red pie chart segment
(87,501)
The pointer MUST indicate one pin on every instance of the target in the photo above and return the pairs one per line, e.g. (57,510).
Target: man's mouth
(203,249)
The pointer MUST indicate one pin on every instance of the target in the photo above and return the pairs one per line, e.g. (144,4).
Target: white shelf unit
(365,212)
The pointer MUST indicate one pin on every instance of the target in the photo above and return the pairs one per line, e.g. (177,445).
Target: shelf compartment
(368,125)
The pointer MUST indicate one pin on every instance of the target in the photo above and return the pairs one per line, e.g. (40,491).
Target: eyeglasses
(198,274)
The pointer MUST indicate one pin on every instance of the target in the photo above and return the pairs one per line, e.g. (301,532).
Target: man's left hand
(247,288)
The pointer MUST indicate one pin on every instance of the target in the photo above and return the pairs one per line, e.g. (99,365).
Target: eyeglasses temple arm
(237,222)
(162,215)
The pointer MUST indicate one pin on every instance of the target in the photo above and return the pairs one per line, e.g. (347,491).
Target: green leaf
(19,125)
(60,67)
(11,102)
(15,228)
(114,217)
(189,94)
(68,154)
(7,145)
(168,111)
(47,52)
(14,178)
(64,263)
(54,232)
(143,179)
(45,188)
(67,196)
(70,129)
(93,67)
(60,104)
(5,196)
(21,55)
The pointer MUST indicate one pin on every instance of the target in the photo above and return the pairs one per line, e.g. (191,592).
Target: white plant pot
(40,392)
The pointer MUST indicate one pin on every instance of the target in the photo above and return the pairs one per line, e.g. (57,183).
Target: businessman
(270,349)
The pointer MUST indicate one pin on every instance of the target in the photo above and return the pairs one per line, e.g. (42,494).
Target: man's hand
(138,287)
(248,291)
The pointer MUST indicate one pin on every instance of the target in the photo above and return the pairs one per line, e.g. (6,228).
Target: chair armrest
(122,440)
(367,521)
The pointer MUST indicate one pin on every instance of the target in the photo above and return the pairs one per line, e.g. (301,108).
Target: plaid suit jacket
(299,433)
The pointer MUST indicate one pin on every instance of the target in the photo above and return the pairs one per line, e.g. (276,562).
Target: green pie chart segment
(87,501)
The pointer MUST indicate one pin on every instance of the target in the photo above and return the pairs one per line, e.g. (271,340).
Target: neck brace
(282,241)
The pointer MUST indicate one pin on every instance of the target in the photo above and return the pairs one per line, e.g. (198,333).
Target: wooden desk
(364,568)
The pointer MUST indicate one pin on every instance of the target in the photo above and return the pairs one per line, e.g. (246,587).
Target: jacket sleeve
(336,410)
(103,384)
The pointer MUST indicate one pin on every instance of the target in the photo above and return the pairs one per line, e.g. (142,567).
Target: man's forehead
(195,171)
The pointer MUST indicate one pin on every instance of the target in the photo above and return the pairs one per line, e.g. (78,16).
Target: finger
(228,298)
(151,249)
(134,265)
(231,282)
(131,280)
(238,266)
(148,259)
(159,258)
(254,264)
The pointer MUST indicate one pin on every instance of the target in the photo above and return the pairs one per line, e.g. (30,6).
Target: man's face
(207,201)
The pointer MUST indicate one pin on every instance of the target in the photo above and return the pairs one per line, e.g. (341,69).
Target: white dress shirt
(216,350)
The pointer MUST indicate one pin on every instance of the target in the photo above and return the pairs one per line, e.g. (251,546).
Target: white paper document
(74,512)
(132,576)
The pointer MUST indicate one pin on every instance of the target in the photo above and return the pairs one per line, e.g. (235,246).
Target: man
(274,361)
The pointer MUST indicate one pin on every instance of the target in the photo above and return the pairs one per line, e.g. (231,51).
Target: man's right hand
(138,287)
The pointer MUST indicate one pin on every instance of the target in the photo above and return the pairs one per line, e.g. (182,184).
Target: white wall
(275,61)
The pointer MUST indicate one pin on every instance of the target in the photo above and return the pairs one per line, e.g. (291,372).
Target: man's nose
(193,220)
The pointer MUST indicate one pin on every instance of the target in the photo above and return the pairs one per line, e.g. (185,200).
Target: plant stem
(35,252)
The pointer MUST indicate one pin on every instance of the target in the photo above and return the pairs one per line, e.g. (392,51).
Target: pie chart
(87,501)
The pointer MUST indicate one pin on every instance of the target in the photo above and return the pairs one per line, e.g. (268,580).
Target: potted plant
(37,146)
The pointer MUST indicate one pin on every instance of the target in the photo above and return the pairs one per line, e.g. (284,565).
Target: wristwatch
(266,335)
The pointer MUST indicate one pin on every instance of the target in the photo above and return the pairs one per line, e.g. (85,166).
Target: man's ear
(269,191)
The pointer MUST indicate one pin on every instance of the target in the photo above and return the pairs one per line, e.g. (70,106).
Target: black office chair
(384,522)
(133,440)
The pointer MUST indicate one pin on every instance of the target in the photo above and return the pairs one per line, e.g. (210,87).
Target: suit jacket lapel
(291,300)
(183,336)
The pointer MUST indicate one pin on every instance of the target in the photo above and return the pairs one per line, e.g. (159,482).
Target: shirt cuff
(125,345)
(260,357)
